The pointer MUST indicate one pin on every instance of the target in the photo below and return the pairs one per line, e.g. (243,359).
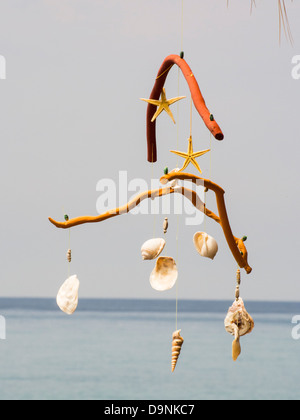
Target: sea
(120,349)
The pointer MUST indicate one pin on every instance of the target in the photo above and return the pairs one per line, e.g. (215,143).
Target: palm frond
(284,22)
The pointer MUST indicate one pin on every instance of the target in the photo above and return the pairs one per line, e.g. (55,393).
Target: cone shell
(176,348)
(152,249)
(206,245)
(238,323)
(67,297)
(164,275)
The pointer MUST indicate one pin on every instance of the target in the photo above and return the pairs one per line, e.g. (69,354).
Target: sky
(71,116)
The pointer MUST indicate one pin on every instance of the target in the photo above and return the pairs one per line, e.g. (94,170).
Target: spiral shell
(67,297)
(176,348)
(206,245)
(152,248)
(164,275)
(69,255)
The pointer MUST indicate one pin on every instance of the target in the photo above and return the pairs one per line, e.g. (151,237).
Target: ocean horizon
(145,305)
(120,349)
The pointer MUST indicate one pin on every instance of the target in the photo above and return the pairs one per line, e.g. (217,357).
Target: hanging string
(181,25)
(69,254)
(178,133)
(177,232)
(177,165)
(177,257)
(210,176)
(152,177)
(191,117)
(210,158)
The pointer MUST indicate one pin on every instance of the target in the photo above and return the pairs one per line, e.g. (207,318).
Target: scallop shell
(238,323)
(164,275)
(67,297)
(206,245)
(152,249)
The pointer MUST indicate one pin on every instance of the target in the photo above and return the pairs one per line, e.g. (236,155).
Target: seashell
(171,184)
(238,323)
(69,255)
(67,297)
(176,348)
(152,249)
(164,275)
(206,245)
(166,225)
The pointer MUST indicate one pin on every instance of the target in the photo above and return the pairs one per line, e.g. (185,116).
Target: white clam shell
(67,297)
(152,248)
(164,275)
(206,245)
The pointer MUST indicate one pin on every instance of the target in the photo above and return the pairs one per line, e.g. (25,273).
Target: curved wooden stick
(189,194)
(198,100)
(236,245)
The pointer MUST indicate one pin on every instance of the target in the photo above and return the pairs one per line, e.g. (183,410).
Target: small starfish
(190,156)
(163,104)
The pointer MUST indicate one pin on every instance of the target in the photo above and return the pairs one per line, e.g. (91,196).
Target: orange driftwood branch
(197,97)
(236,245)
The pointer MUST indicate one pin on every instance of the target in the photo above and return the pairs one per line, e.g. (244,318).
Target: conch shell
(206,245)
(238,323)
(176,348)
(152,249)
(164,275)
(67,297)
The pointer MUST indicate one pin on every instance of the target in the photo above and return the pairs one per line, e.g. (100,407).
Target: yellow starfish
(163,104)
(190,156)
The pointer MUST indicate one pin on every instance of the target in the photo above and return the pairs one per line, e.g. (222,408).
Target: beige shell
(176,348)
(152,248)
(164,275)
(238,323)
(67,297)
(206,245)
(171,184)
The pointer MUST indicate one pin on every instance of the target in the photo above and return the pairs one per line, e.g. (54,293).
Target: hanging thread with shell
(69,252)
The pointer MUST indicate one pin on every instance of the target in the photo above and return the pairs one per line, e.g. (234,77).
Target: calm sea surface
(121,349)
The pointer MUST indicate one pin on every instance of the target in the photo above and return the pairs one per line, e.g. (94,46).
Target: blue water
(120,349)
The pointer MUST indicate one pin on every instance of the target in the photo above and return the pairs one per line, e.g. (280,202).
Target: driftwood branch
(197,97)
(236,245)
